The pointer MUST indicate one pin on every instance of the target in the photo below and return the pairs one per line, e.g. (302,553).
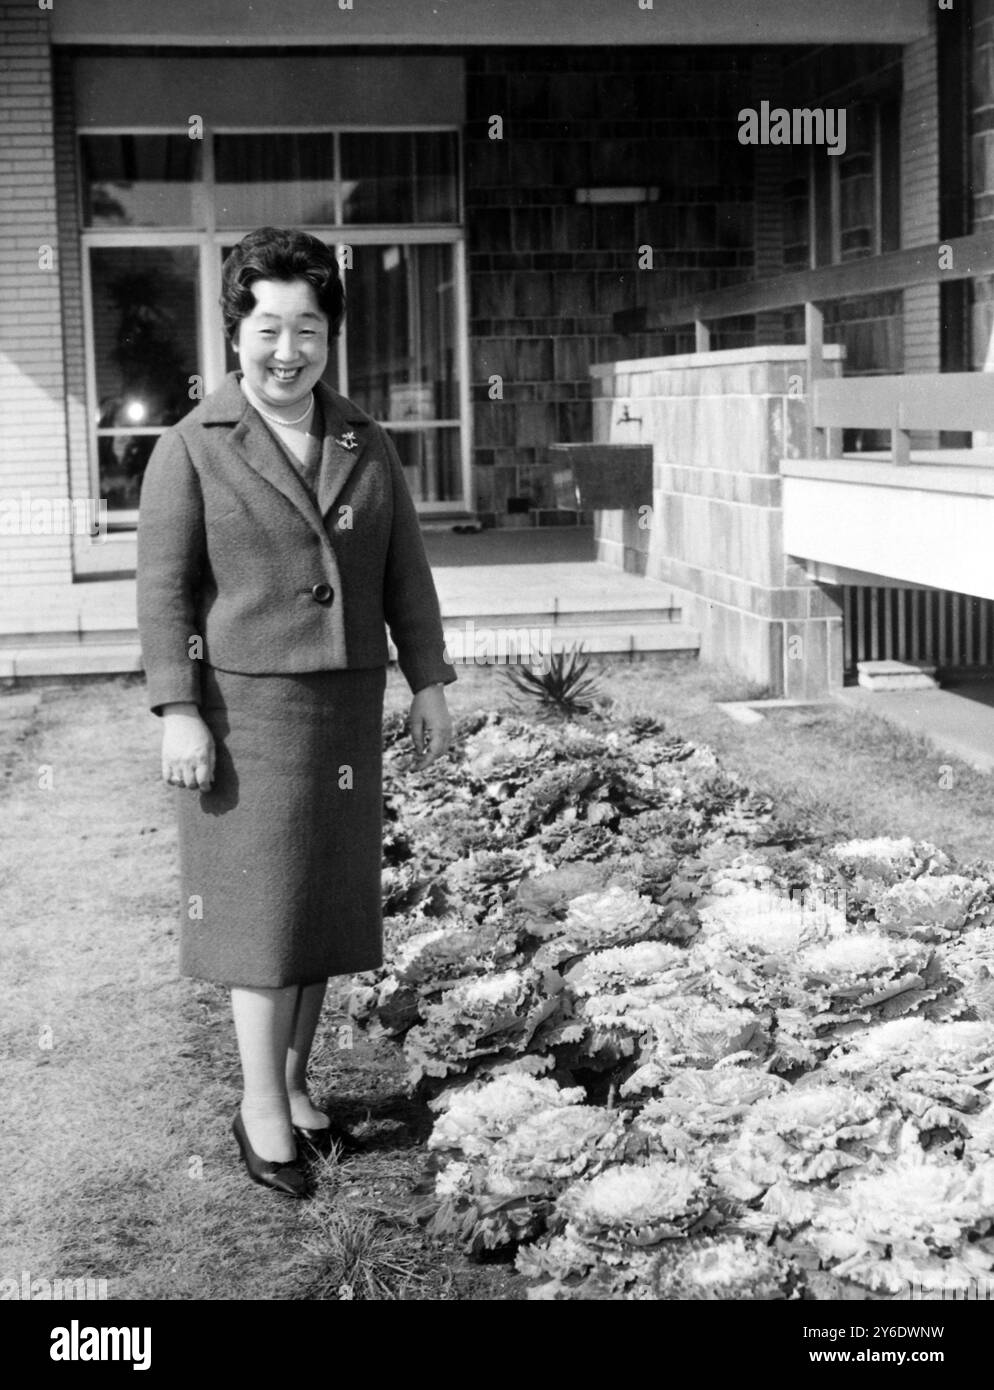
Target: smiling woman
(262,616)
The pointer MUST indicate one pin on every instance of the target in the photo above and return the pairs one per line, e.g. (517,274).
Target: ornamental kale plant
(670,1056)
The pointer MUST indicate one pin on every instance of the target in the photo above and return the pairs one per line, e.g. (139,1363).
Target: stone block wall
(719,424)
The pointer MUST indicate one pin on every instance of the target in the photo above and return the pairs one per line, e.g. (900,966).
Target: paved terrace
(536,579)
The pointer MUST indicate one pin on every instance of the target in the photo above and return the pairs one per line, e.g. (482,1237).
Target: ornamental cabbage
(768,923)
(887,860)
(851,977)
(809,1133)
(478,1017)
(631,1205)
(691,1031)
(917,1044)
(908,1224)
(730,1269)
(696,1105)
(932,908)
(553,1146)
(623,966)
(474,1117)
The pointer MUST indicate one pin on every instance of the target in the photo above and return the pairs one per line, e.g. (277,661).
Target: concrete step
(895,675)
(521,614)
(39,636)
(70,659)
(509,645)
(502,643)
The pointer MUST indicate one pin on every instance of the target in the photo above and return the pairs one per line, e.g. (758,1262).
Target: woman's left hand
(431,725)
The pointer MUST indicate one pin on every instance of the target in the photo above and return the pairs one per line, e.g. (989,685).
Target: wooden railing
(959,258)
(918,401)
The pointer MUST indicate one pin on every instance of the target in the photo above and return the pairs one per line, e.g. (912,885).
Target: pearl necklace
(278,419)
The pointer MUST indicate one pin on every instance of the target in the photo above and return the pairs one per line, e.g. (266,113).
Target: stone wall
(719,424)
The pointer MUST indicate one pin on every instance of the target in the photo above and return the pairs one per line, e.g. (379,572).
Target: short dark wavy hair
(280,253)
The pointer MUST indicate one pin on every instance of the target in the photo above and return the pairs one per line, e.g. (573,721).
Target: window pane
(431,463)
(275,180)
(139,180)
(123,458)
(857,186)
(144,350)
(397,177)
(890,176)
(400,326)
(796,224)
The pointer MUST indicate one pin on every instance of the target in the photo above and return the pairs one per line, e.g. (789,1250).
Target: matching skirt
(280,861)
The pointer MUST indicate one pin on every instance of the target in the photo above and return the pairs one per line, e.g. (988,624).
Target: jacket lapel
(257,447)
(346,438)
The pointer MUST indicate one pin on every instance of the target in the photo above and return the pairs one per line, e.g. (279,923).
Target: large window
(160,211)
(844,207)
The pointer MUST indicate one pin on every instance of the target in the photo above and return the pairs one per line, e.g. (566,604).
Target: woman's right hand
(187,748)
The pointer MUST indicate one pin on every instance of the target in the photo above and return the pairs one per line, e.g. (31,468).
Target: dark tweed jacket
(232,549)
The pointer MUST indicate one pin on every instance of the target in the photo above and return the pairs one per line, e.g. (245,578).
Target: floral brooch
(348,440)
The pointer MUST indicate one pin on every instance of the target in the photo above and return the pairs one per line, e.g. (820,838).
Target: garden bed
(678,1046)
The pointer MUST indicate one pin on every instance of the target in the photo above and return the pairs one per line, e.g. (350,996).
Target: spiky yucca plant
(565,689)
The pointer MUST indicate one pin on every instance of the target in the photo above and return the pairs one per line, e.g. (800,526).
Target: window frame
(818,188)
(209,239)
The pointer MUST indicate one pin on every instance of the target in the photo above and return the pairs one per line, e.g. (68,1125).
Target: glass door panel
(403,361)
(431,459)
(145,309)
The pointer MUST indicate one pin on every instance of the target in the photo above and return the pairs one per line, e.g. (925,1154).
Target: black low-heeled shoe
(321,1140)
(281,1177)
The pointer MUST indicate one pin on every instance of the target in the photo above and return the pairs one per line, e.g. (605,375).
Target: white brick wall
(920,205)
(32,386)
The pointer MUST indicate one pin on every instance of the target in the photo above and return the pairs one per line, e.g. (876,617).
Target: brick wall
(982,151)
(32,386)
(547,274)
(920,206)
(70,264)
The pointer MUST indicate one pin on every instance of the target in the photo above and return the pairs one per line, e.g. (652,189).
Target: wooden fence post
(814,340)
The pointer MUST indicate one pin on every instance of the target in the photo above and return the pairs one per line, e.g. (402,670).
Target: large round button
(321,593)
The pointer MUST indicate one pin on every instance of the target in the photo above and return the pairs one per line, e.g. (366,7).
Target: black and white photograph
(497,667)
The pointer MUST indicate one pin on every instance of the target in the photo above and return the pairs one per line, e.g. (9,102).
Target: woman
(276,538)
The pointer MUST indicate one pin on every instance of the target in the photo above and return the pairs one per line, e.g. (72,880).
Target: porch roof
(866,520)
(235,23)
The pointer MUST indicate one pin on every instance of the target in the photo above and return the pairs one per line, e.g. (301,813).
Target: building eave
(322,23)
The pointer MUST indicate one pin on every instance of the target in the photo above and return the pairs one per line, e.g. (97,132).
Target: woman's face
(282,345)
